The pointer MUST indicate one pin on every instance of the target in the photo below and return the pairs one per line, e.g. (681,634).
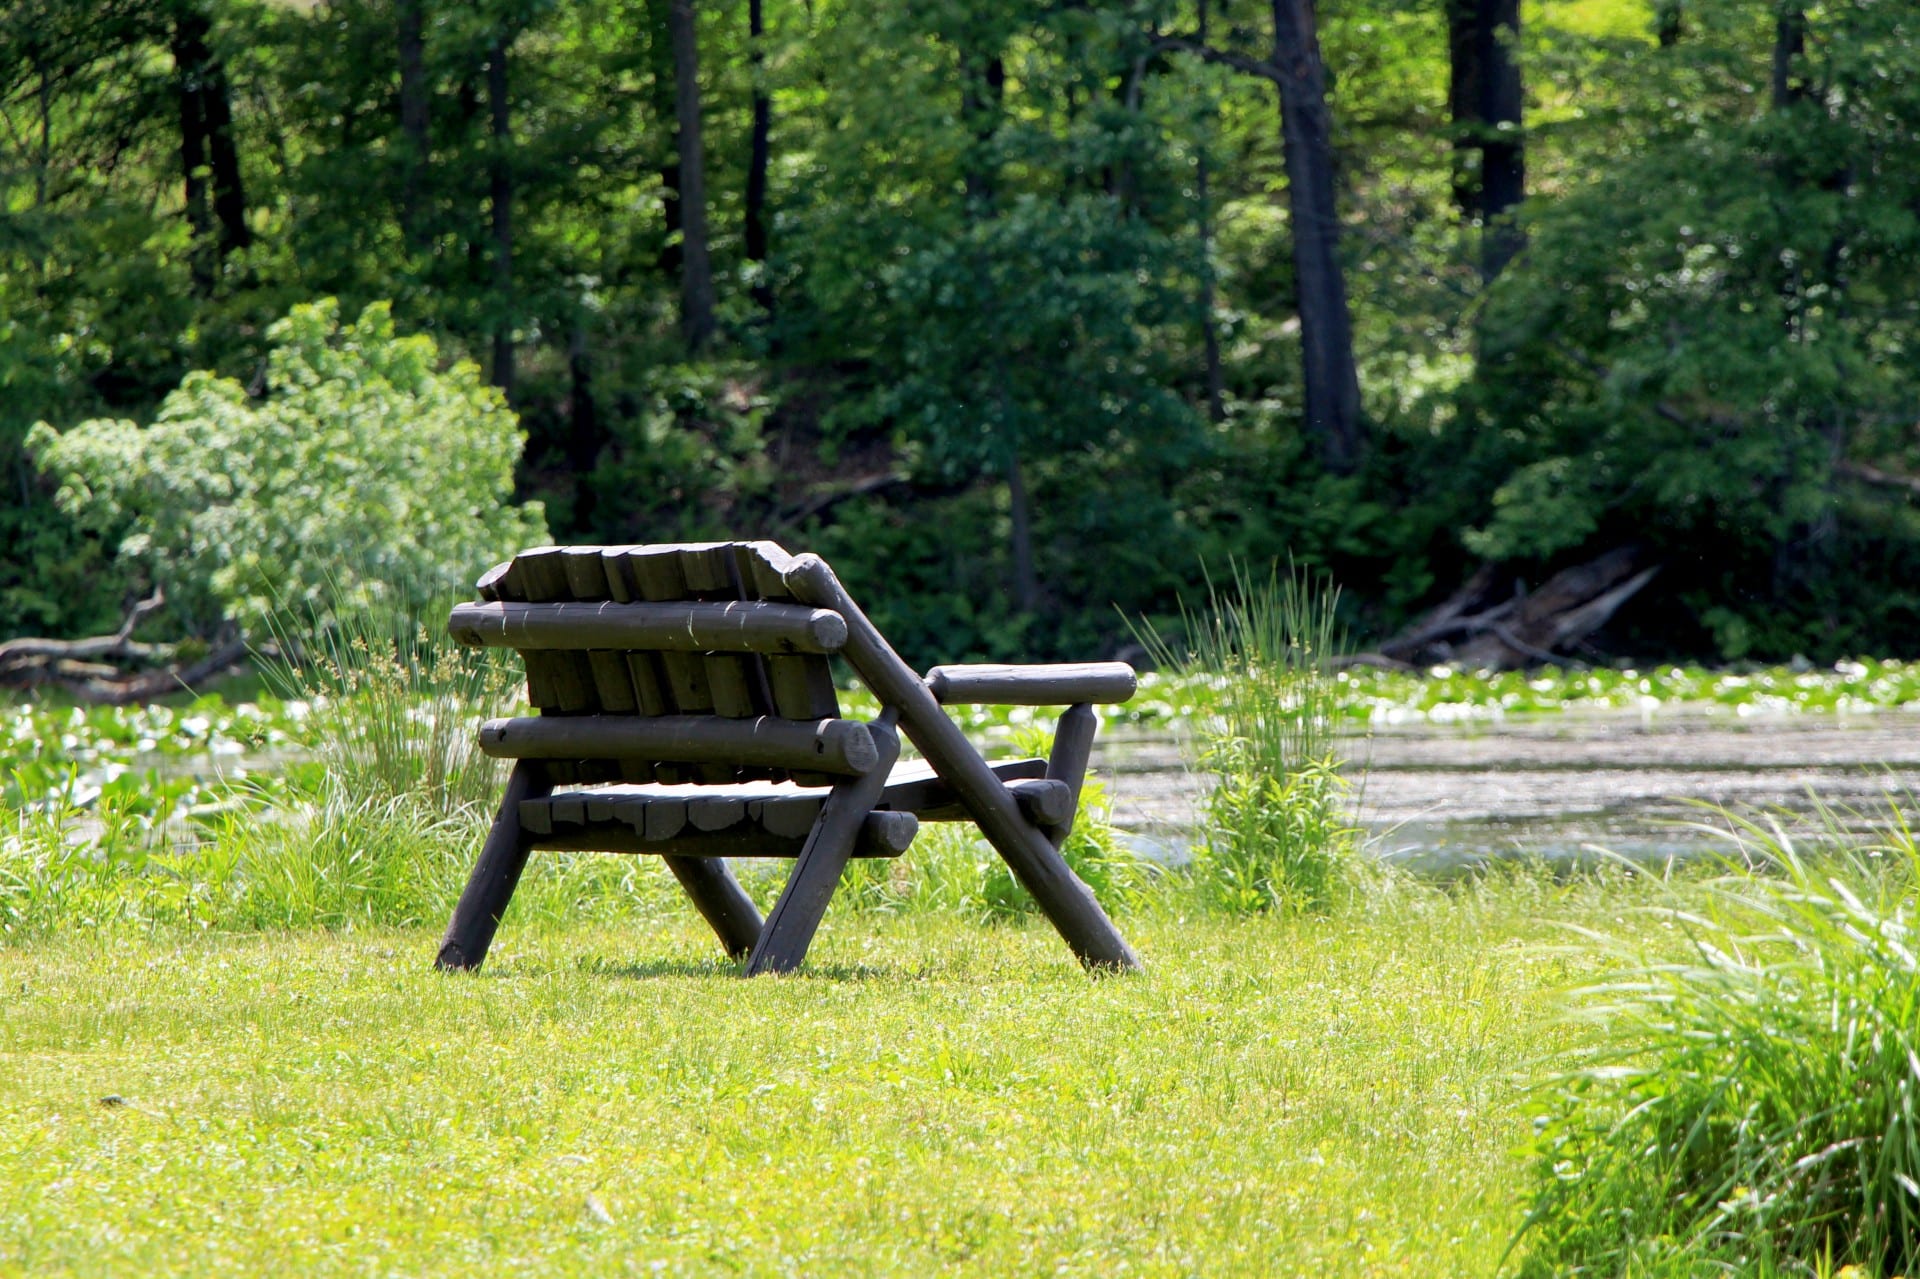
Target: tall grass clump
(395,703)
(1756,1104)
(1274,834)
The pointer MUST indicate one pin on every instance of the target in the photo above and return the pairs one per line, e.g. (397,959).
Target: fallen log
(1494,623)
(116,669)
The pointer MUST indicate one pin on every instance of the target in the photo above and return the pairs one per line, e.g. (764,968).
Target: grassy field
(1334,1096)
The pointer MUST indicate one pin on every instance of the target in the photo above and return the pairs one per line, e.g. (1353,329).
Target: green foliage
(392,703)
(1753,1104)
(364,470)
(1274,835)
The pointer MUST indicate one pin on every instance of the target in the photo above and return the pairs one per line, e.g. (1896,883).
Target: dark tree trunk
(585,437)
(1503,158)
(1326,325)
(1209,326)
(758,157)
(1463,103)
(1789,43)
(1669,22)
(467,99)
(193,152)
(1026,578)
(1484,96)
(663,101)
(44,96)
(500,202)
(207,145)
(414,124)
(982,97)
(696,272)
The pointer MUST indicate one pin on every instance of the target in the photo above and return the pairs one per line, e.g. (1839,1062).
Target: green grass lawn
(932,1096)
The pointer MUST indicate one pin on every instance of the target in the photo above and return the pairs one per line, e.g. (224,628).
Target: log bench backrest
(713,649)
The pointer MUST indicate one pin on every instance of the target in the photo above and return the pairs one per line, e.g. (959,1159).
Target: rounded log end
(892,833)
(488,587)
(827,629)
(808,577)
(938,684)
(847,744)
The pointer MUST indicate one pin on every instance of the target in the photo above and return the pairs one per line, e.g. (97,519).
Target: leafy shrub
(1757,1102)
(363,469)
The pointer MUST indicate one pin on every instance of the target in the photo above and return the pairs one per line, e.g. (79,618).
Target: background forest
(1021,310)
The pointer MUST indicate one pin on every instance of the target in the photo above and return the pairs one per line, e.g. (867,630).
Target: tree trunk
(414,124)
(758,156)
(1209,326)
(1484,96)
(1669,22)
(982,96)
(1026,578)
(584,437)
(696,274)
(1326,325)
(208,155)
(1503,162)
(206,130)
(662,100)
(1789,43)
(500,201)
(189,56)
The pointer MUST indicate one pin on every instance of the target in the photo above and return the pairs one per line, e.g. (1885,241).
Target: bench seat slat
(882,834)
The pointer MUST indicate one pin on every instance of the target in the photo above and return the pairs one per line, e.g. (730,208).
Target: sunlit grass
(1754,1101)
(933,1097)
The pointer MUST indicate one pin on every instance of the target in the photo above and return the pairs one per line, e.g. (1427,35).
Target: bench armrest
(1061,684)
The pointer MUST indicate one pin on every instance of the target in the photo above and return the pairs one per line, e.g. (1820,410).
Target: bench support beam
(495,875)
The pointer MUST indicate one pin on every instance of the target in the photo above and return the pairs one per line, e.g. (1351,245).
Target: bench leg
(1067,762)
(495,875)
(721,901)
(791,923)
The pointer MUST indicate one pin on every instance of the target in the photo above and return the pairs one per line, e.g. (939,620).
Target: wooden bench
(687,709)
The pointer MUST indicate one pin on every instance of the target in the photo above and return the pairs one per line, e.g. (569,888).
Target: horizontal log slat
(842,747)
(1060,684)
(741,626)
(882,834)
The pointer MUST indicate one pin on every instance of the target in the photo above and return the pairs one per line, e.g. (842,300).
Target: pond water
(1442,797)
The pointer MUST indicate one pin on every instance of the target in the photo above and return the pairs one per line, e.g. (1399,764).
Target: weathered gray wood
(1043,802)
(802,687)
(721,901)
(880,834)
(587,581)
(539,576)
(1061,684)
(488,587)
(656,572)
(495,875)
(707,567)
(731,681)
(1067,763)
(1035,862)
(716,812)
(738,626)
(816,873)
(916,788)
(840,746)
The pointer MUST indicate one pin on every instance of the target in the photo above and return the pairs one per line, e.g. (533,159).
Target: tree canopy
(1018,310)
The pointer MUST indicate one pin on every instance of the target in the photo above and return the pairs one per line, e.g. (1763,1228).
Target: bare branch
(1219,57)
